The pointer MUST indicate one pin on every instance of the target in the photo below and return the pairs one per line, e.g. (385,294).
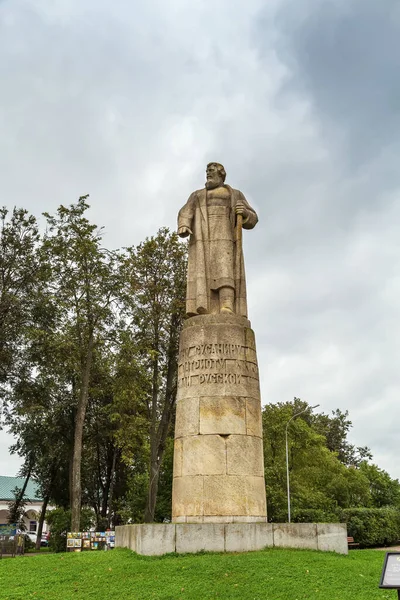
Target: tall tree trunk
(153,480)
(112,480)
(41,521)
(159,436)
(106,487)
(76,491)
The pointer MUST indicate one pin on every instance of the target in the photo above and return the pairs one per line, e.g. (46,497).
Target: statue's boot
(226,300)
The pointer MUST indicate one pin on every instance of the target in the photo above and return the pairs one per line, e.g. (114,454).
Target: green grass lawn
(120,574)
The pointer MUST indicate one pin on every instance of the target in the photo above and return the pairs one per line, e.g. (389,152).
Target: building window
(32,525)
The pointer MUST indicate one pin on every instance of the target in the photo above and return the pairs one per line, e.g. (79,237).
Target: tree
(384,491)
(319,481)
(84,284)
(19,277)
(156,270)
(102,454)
(335,428)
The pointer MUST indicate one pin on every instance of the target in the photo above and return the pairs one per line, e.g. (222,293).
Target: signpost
(390,578)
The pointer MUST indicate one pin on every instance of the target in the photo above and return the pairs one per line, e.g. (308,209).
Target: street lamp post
(287,454)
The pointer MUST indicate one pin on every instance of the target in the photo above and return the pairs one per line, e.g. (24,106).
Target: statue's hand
(240,209)
(184,231)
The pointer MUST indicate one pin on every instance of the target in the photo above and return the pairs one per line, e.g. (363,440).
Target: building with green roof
(32,497)
(8,485)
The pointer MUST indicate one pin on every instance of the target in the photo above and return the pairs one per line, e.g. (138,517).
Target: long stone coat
(194,215)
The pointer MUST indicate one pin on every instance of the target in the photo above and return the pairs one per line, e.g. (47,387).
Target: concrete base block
(329,538)
(157,539)
(150,539)
(193,538)
(242,537)
(295,535)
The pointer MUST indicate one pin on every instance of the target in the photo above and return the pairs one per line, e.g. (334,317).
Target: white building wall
(32,514)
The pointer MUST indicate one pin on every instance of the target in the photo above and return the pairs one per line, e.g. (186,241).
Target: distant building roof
(8,484)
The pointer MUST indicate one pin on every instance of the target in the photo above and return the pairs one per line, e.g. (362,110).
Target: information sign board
(390,578)
(8,529)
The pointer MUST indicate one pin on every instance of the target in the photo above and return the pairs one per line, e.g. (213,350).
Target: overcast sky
(300,101)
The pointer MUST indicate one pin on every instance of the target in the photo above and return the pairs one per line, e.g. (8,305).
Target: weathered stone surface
(208,320)
(194,519)
(295,535)
(187,496)
(202,337)
(213,519)
(203,455)
(214,217)
(242,537)
(218,421)
(155,539)
(250,339)
(222,519)
(244,455)
(125,536)
(178,457)
(253,417)
(256,499)
(207,537)
(249,519)
(182,519)
(234,495)
(222,415)
(219,385)
(187,420)
(332,537)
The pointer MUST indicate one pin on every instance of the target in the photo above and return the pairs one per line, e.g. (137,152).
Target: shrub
(372,526)
(314,515)
(28,544)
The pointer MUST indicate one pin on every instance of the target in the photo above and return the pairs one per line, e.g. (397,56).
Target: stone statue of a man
(216,277)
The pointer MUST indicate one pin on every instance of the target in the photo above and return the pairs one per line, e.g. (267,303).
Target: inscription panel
(216,363)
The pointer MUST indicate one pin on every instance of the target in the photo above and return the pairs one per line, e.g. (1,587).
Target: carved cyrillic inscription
(216,363)
(231,350)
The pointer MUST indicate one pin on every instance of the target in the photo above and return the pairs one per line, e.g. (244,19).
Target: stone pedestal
(218,458)
(155,539)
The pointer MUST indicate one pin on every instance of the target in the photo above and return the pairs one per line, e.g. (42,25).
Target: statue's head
(215,174)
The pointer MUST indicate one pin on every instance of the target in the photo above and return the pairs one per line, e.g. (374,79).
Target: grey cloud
(130,101)
(346,55)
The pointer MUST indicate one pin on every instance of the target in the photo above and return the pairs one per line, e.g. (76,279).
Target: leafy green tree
(318,479)
(19,278)
(384,491)
(84,283)
(335,428)
(96,341)
(156,270)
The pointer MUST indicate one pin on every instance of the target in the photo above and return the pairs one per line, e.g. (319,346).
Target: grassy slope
(119,574)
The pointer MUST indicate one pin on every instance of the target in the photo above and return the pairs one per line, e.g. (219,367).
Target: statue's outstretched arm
(185,217)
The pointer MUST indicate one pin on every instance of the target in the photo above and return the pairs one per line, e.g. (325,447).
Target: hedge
(368,526)
(372,526)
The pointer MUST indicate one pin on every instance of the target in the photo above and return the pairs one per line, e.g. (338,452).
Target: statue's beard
(213,183)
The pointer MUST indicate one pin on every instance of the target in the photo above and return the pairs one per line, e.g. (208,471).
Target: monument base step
(155,539)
